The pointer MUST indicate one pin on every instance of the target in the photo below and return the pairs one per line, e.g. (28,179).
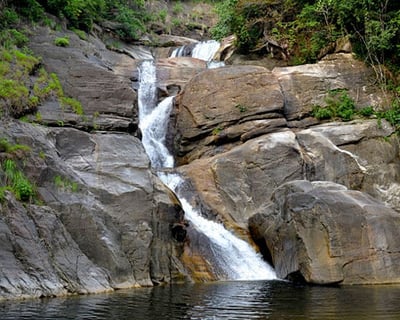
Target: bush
(366,111)
(61,42)
(322,113)
(17,182)
(338,105)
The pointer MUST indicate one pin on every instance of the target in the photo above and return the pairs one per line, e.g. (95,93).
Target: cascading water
(234,256)
(203,50)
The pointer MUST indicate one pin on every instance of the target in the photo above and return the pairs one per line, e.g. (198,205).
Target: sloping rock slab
(89,72)
(323,233)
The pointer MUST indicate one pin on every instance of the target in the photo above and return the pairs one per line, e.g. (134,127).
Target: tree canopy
(301,29)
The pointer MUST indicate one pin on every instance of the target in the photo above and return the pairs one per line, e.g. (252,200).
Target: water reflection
(226,300)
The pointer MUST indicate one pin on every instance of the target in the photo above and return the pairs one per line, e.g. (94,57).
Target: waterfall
(203,50)
(235,257)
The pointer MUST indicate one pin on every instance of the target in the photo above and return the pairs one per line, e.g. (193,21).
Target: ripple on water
(223,300)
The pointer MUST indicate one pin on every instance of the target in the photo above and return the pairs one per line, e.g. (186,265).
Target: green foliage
(303,29)
(7,147)
(16,67)
(3,194)
(73,103)
(321,113)
(61,42)
(366,111)
(8,18)
(80,33)
(162,14)
(241,108)
(339,105)
(65,184)
(30,9)
(131,19)
(17,181)
(10,38)
(217,130)
(178,8)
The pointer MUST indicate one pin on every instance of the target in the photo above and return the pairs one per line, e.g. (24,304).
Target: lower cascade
(234,258)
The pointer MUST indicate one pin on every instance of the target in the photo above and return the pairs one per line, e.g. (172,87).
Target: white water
(235,256)
(203,50)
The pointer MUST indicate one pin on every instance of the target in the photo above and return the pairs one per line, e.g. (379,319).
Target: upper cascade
(204,50)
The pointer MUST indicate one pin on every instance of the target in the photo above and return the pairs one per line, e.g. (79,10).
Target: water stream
(235,257)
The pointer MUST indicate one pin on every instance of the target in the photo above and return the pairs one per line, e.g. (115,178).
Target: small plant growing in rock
(241,108)
(338,105)
(65,185)
(366,111)
(216,131)
(17,182)
(321,113)
(61,42)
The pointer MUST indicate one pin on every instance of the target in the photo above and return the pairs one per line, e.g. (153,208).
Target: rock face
(243,135)
(107,222)
(221,108)
(226,105)
(97,77)
(307,85)
(242,132)
(325,234)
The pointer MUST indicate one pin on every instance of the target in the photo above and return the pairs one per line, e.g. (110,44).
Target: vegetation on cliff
(302,29)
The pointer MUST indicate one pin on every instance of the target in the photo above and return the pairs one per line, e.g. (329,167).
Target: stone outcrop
(221,108)
(236,151)
(107,223)
(323,233)
(307,85)
(88,71)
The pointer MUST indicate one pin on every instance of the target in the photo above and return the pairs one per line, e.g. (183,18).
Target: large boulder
(226,105)
(323,233)
(234,184)
(221,108)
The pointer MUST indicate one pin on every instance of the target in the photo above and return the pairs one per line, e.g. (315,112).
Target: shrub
(17,182)
(366,111)
(61,42)
(322,113)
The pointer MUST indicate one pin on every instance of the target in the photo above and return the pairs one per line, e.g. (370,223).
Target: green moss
(61,42)
(26,62)
(80,33)
(241,108)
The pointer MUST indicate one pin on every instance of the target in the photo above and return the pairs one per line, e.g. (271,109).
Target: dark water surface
(224,300)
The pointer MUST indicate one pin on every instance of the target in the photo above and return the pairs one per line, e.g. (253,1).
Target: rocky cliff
(245,132)
(244,139)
